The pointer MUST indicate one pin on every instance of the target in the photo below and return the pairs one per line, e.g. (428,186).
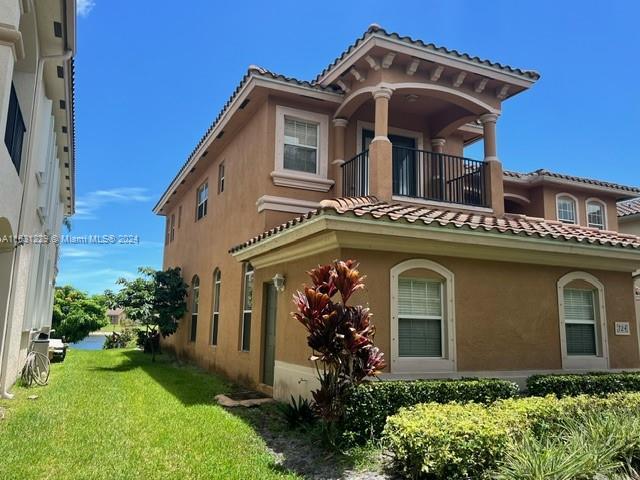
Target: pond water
(92,342)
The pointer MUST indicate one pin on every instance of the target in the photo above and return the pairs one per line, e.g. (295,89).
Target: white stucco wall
(29,299)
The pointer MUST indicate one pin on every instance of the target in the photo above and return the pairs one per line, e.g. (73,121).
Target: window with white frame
(583,331)
(596,216)
(247,302)
(215,316)
(300,145)
(423,318)
(195,301)
(567,209)
(301,149)
(580,322)
(202,198)
(419,318)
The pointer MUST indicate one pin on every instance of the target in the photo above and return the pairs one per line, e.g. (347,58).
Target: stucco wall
(506,316)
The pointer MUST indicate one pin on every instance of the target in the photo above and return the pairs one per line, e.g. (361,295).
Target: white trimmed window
(596,214)
(419,318)
(422,312)
(201,201)
(582,321)
(302,143)
(247,302)
(567,208)
(215,316)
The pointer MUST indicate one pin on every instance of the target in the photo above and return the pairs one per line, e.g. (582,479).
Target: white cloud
(87,205)
(83,7)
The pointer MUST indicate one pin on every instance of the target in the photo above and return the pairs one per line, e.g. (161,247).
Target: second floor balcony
(423,175)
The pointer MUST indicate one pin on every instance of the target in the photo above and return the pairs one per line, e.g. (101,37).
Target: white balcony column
(488,121)
(437,145)
(339,130)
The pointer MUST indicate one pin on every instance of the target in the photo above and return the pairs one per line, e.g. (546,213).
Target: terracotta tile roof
(541,173)
(379,31)
(371,208)
(628,207)
(252,71)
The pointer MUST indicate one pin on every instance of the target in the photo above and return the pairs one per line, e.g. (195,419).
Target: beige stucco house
(472,269)
(37,42)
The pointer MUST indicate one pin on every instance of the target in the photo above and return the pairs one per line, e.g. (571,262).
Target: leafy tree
(340,335)
(76,314)
(155,299)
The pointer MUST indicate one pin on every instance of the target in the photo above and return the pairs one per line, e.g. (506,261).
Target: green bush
(368,405)
(447,441)
(588,384)
(456,441)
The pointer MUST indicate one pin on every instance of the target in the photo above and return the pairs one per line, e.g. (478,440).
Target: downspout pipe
(9,329)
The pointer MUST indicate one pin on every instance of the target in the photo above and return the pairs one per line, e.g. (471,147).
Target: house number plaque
(622,328)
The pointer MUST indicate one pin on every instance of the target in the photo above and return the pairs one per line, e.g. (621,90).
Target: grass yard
(115,415)
(111,328)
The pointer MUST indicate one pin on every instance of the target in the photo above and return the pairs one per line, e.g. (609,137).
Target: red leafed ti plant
(340,335)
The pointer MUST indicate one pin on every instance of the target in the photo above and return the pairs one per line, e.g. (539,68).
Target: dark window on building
(201,201)
(215,317)
(247,302)
(14,134)
(173,227)
(221,178)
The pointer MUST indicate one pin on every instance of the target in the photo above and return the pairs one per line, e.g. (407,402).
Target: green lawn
(111,328)
(115,415)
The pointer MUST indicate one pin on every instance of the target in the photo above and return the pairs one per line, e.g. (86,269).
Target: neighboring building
(471,270)
(116,315)
(37,41)
(629,220)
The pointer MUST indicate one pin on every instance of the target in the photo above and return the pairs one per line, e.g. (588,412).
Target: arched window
(567,208)
(247,302)
(195,300)
(583,332)
(422,313)
(596,214)
(215,316)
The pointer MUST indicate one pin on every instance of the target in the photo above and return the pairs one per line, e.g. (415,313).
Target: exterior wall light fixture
(279,282)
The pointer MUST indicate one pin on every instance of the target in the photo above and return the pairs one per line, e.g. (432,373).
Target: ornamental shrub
(340,335)
(368,405)
(459,441)
(589,384)
(452,441)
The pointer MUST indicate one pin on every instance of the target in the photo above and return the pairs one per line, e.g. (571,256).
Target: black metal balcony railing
(424,175)
(355,176)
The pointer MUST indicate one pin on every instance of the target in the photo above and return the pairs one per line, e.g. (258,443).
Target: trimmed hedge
(569,385)
(368,405)
(468,441)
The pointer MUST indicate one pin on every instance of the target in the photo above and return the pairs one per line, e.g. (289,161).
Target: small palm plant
(340,335)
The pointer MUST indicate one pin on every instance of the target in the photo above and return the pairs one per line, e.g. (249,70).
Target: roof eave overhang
(546,179)
(442,58)
(633,217)
(253,82)
(330,231)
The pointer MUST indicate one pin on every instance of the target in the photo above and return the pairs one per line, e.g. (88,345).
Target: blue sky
(152,75)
